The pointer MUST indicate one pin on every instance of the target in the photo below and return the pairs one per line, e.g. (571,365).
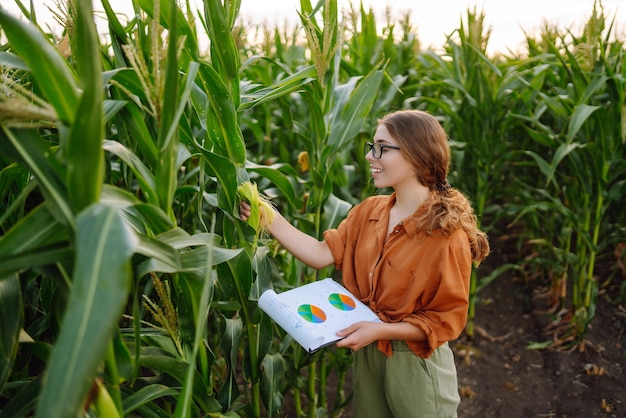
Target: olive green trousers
(404,385)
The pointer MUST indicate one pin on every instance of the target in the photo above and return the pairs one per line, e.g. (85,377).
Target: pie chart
(312,313)
(342,302)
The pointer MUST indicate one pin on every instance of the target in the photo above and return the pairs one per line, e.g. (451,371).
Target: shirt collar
(381,212)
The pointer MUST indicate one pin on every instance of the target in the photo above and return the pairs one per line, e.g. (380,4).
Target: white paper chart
(312,314)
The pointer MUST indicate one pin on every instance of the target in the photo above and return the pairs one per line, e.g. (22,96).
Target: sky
(433,19)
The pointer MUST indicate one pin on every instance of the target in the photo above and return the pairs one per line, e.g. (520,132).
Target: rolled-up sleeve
(337,243)
(342,240)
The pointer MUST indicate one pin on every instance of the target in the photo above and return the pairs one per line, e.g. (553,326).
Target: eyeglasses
(377,149)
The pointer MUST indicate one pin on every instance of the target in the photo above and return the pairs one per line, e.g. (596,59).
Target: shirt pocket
(396,291)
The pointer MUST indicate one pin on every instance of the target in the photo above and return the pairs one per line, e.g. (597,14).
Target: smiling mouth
(376,170)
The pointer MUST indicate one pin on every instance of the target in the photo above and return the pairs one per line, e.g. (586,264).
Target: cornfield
(128,282)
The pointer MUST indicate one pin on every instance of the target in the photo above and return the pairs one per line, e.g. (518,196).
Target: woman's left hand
(359,335)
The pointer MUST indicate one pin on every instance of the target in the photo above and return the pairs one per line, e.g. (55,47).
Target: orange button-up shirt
(408,276)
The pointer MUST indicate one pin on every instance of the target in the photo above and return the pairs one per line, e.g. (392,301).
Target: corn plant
(83,246)
(579,119)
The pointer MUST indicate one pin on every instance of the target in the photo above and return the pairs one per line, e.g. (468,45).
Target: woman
(409,257)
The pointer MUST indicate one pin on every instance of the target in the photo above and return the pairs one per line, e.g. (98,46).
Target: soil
(500,376)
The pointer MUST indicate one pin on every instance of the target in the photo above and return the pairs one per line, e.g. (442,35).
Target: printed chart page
(312,314)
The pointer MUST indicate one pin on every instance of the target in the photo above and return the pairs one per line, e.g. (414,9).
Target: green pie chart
(312,313)
(342,302)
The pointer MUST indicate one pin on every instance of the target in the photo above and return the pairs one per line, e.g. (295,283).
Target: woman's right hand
(244,210)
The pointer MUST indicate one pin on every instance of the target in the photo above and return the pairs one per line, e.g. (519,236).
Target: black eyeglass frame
(376,148)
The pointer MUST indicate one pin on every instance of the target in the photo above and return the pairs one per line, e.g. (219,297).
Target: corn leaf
(561,152)
(116,27)
(128,79)
(176,107)
(184,404)
(164,255)
(11,322)
(34,154)
(273,376)
(37,230)
(23,403)
(282,181)
(581,113)
(54,76)
(83,149)
(167,137)
(226,174)
(111,108)
(223,45)
(223,128)
(195,260)
(145,396)
(165,18)
(161,257)
(351,117)
(145,178)
(101,280)
(9,60)
(42,257)
(139,132)
(264,275)
(286,86)
(229,346)
(178,238)
(235,278)
(144,218)
(37,240)
(335,210)
(177,369)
